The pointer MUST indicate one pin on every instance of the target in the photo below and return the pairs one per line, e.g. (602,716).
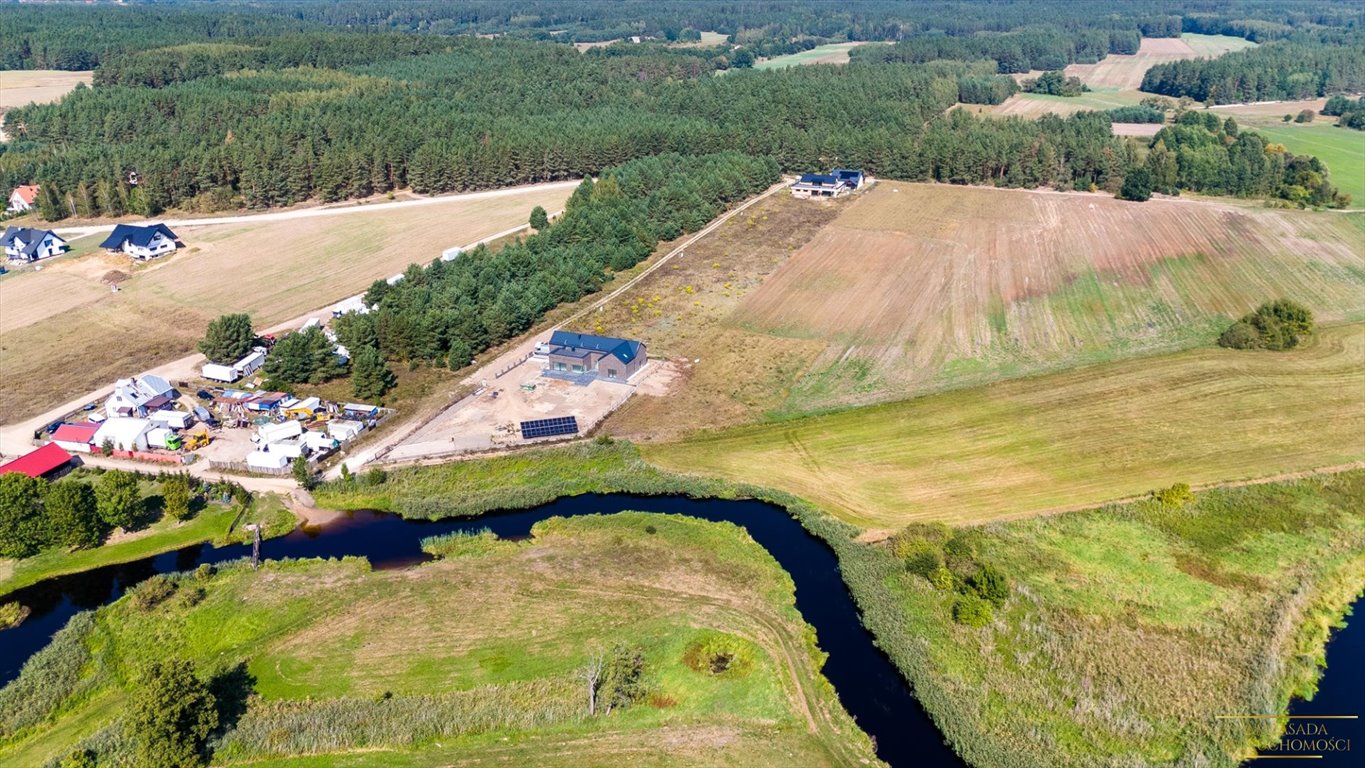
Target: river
(868,685)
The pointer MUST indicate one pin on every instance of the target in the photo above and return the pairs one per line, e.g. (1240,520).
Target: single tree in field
(72,514)
(21,515)
(171,716)
(591,675)
(1137,185)
(303,474)
(175,496)
(117,499)
(370,375)
(228,339)
(539,219)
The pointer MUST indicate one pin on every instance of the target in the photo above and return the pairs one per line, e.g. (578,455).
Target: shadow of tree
(232,689)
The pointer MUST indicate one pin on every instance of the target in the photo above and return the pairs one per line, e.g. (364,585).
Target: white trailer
(264,460)
(224,373)
(250,364)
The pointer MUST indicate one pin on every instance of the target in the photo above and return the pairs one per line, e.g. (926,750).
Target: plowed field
(916,287)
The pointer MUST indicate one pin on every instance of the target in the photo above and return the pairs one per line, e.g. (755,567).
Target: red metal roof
(76,433)
(40,462)
(28,193)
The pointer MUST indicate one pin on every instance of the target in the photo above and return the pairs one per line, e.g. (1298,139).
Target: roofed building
(23,198)
(831,184)
(26,244)
(141,242)
(49,461)
(584,357)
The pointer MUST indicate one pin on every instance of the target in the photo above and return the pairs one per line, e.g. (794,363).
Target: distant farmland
(63,333)
(832,53)
(918,287)
(1071,439)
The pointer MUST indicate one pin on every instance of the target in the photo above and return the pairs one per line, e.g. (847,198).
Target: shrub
(171,716)
(1275,325)
(941,578)
(972,611)
(458,544)
(717,653)
(1137,185)
(152,592)
(1175,496)
(1306,116)
(990,585)
(924,561)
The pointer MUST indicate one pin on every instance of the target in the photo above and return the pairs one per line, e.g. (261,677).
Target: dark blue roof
(845,173)
(818,178)
(28,236)
(139,236)
(625,350)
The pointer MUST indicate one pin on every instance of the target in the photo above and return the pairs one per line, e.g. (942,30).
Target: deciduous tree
(118,499)
(72,514)
(171,716)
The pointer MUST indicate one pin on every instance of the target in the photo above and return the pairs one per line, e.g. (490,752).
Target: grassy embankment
(1061,440)
(210,523)
(1127,630)
(471,657)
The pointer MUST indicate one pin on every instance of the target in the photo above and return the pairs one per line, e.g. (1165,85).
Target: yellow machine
(193,441)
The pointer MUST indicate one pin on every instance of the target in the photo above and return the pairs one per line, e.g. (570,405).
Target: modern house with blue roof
(831,184)
(141,242)
(585,357)
(25,244)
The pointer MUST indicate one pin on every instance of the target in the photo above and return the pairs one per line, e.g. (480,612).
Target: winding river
(868,685)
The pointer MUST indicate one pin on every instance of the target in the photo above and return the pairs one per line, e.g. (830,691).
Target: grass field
(1341,149)
(1130,629)
(37,86)
(62,332)
(472,658)
(1064,440)
(831,53)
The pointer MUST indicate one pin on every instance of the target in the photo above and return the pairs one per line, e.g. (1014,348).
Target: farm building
(23,198)
(77,438)
(831,184)
(25,244)
(141,242)
(125,434)
(139,397)
(583,357)
(48,461)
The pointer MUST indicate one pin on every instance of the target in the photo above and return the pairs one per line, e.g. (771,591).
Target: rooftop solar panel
(562,425)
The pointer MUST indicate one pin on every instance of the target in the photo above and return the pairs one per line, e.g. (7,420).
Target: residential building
(139,397)
(832,184)
(23,198)
(141,242)
(26,244)
(583,357)
(851,178)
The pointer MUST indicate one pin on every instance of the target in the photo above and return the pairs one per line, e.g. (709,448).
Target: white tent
(125,434)
(274,433)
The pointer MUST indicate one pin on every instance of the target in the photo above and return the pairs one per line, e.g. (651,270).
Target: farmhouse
(25,244)
(77,438)
(141,242)
(48,461)
(831,184)
(23,198)
(582,357)
(139,397)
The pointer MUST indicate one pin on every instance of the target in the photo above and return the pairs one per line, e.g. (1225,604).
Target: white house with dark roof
(832,184)
(25,244)
(141,242)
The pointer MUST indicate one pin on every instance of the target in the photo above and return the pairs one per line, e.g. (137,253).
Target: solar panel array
(562,425)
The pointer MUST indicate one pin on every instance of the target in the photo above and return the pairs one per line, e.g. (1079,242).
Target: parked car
(54,426)
(203,394)
(90,406)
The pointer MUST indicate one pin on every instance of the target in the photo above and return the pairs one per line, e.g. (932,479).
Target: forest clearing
(830,53)
(326,639)
(37,86)
(1063,440)
(65,332)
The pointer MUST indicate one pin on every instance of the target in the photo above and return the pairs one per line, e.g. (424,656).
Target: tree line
(1277,71)
(449,311)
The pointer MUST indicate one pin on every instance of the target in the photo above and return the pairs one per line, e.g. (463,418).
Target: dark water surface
(868,685)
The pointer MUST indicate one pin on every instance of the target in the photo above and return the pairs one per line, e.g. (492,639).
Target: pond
(868,685)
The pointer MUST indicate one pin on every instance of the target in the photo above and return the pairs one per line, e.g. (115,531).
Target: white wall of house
(17,203)
(159,246)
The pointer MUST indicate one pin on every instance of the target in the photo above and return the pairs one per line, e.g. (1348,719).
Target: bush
(1177,495)
(152,592)
(719,654)
(1306,116)
(171,716)
(990,585)
(1137,185)
(924,561)
(972,611)
(1275,325)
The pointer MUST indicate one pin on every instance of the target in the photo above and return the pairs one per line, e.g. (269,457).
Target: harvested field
(832,53)
(1125,72)
(37,86)
(62,332)
(1143,130)
(1065,440)
(1031,105)
(919,287)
